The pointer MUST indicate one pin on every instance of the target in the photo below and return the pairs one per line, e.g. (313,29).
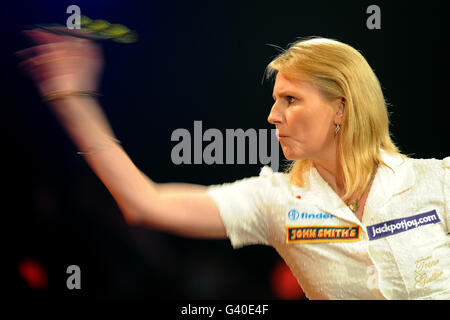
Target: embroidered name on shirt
(426,271)
(391,227)
(308,234)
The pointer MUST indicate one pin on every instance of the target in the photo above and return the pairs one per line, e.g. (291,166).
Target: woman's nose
(274,116)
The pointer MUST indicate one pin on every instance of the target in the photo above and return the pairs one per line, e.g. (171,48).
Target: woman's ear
(340,111)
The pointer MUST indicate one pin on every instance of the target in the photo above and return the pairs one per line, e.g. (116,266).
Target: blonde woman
(352,217)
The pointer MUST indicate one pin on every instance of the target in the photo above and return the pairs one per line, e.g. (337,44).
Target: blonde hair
(340,71)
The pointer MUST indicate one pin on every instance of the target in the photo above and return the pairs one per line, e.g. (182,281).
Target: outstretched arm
(60,63)
(179,208)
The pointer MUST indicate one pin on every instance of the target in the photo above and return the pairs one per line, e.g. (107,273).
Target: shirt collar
(387,183)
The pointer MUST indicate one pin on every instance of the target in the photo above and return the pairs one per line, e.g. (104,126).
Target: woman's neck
(331,172)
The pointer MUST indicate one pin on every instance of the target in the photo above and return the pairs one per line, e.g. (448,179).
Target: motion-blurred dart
(84,20)
(93,30)
(97,25)
(113,31)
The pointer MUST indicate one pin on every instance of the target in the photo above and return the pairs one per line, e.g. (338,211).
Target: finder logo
(294,215)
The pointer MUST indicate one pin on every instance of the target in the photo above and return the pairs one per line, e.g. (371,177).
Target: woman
(352,217)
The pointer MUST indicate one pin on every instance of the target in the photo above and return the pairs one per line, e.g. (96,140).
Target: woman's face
(304,119)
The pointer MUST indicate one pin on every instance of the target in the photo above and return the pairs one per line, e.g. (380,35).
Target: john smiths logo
(296,234)
(294,215)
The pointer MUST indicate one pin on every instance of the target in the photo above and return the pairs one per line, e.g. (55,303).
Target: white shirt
(400,249)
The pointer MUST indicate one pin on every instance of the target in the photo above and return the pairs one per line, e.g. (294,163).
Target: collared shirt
(400,249)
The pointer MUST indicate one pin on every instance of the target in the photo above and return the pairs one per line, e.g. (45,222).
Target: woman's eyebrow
(285,92)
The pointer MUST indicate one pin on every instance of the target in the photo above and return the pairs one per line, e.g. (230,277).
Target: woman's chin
(294,156)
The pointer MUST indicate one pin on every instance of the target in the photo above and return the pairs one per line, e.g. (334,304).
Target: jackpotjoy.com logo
(214,152)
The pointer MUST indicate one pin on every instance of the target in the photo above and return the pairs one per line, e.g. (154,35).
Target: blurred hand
(60,62)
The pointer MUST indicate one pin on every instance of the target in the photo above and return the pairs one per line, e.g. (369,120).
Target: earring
(338,128)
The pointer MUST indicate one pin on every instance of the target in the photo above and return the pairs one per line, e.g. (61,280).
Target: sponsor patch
(305,234)
(391,227)
(294,215)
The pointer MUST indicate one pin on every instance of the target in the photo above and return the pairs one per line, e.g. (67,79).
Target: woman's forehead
(285,84)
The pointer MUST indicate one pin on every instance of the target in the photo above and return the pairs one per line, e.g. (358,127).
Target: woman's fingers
(41,49)
(56,59)
(59,62)
(40,37)
(66,49)
(41,59)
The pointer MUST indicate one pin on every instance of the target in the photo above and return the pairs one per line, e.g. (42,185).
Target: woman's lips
(279,136)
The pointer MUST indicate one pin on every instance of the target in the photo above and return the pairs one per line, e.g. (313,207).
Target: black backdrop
(194,61)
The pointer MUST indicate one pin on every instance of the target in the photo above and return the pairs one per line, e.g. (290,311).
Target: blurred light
(283,283)
(33,273)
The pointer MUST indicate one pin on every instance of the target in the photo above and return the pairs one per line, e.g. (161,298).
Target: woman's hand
(60,63)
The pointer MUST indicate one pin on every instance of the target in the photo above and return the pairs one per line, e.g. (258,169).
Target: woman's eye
(290,99)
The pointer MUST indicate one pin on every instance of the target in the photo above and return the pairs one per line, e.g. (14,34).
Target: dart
(96,30)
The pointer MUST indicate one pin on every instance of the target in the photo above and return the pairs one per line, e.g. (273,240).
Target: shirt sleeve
(243,208)
(446,165)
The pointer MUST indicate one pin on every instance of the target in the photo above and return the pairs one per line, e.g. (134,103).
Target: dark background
(194,61)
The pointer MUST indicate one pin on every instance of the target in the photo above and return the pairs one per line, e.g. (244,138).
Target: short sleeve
(243,208)
(446,165)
